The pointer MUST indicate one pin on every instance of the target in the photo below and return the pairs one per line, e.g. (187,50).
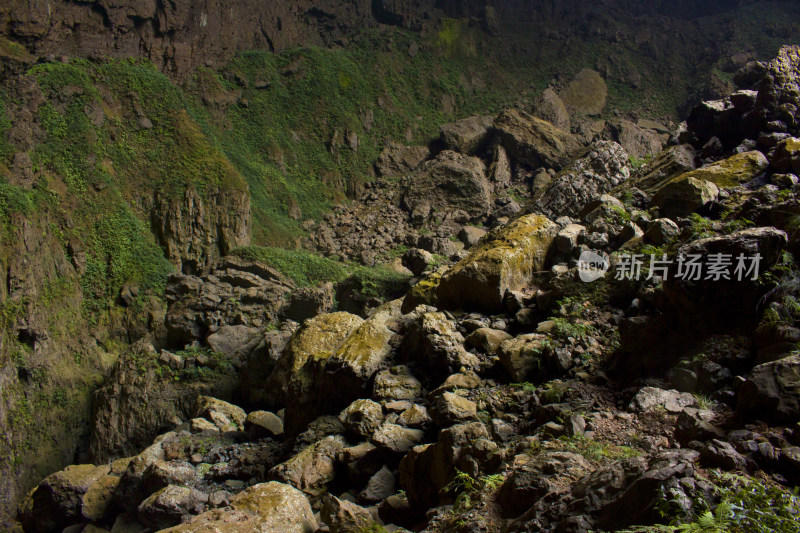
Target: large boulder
(309,302)
(734,297)
(684,195)
(342,516)
(235,342)
(71,496)
(362,417)
(781,85)
(265,508)
(319,337)
(551,108)
(787,156)
(586,93)
(530,358)
(772,392)
(604,167)
(506,260)
(435,343)
(467,135)
(327,382)
(731,172)
(312,468)
(535,142)
(638,142)
(450,179)
(169,506)
(396,383)
(427,469)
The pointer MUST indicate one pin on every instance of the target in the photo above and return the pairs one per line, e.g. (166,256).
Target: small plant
(744,504)
(639,162)
(718,521)
(564,329)
(467,488)
(595,450)
(700,227)
(704,402)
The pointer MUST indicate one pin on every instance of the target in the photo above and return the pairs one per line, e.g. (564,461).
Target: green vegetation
(743,504)
(467,488)
(700,227)
(121,251)
(591,449)
(307,269)
(6,150)
(290,134)
(564,328)
(639,162)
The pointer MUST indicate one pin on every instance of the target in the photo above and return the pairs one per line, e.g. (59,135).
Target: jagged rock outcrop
(605,166)
(195,230)
(147,392)
(236,291)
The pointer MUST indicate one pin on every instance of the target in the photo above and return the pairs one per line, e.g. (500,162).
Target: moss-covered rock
(318,338)
(265,508)
(522,356)
(59,500)
(312,468)
(423,293)
(773,391)
(787,156)
(451,179)
(730,172)
(328,381)
(586,93)
(224,415)
(506,260)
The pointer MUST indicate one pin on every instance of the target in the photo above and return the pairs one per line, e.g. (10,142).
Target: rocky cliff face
(180,35)
(194,230)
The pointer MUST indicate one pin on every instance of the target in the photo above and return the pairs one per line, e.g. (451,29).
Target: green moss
(13,50)
(304,268)
(6,149)
(730,172)
(595,450)
(13,199)
(307,269)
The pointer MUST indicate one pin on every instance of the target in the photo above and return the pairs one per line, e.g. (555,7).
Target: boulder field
(502,391)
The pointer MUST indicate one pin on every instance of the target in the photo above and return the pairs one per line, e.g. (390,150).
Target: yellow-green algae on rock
(328,383)
(318,338)
(265,508)
(730,172)
(506,260)
(423,293)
